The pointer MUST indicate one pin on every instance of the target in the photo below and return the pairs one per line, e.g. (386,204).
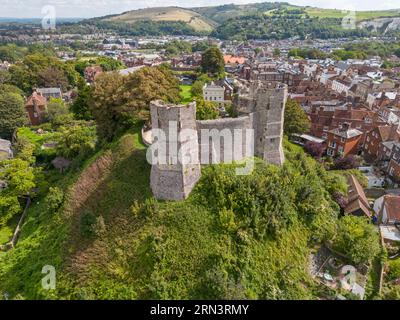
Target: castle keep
(260,107)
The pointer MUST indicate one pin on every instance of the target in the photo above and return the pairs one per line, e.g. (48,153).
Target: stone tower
(176,170)
(265,104)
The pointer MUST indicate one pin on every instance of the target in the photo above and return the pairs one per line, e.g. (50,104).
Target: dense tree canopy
(20,179)
(119,101)
(296,120)
(206,110)
(39,70)
(357,238)
(213,62)
(81,105)
(12,113)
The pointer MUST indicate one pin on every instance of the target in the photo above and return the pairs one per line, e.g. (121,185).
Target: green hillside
(277,20)
(235,237)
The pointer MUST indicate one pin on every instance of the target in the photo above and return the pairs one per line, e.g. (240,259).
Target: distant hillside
(225,12)
(191,18)
(267,20)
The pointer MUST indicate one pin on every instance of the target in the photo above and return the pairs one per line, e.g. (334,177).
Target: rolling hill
(267,20)
(192,18)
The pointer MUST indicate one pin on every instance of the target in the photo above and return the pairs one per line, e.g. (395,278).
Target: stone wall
(260,106)
(266,103)
(224,140)
(174,180)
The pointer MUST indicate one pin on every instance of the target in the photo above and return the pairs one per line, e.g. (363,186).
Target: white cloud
(90,8)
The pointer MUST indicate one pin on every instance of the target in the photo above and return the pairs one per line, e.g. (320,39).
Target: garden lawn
(186,94)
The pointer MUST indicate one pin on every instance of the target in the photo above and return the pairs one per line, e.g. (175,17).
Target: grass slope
(192,18)
(360,15)
(144,249)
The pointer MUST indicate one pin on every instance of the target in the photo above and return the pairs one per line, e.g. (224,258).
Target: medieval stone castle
(260,109)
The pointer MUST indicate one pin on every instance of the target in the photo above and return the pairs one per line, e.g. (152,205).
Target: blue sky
(91,8)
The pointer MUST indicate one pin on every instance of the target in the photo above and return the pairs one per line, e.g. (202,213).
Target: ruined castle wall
(273,149)
(260,106)
(175,178)
(266,101)
(223,140)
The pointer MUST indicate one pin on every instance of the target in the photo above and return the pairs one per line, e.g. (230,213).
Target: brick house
(373,149)
(343,141)
(394,163)
(325,119)
(36,107)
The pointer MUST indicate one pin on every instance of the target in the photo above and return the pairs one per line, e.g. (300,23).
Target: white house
(215,93)
(341,86)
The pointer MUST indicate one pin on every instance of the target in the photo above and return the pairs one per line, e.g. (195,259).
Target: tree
(109,64)
(11,53)
(81,105)
(118,102)
(11,89)
(76,140)
(176,47)
(213,62)
(397,52)
(20,179)
(206,110)
(277,52)
(197,88)
(5,76)
(52,77)
(146,85)
(200,46)
(315,149)
(357,238)
(296,120)
(56,108)
(12,113)
(39,69)
(106,104)
(346,163)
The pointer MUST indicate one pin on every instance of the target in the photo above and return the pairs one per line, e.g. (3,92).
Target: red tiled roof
(234,59)
(357,200)
(36,99)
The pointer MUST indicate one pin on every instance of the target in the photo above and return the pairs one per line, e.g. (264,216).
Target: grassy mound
(235,237)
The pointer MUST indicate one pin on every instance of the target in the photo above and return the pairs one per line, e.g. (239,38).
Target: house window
(330,152)
(332,144)
(340,149)
(343,140)
(326,128)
